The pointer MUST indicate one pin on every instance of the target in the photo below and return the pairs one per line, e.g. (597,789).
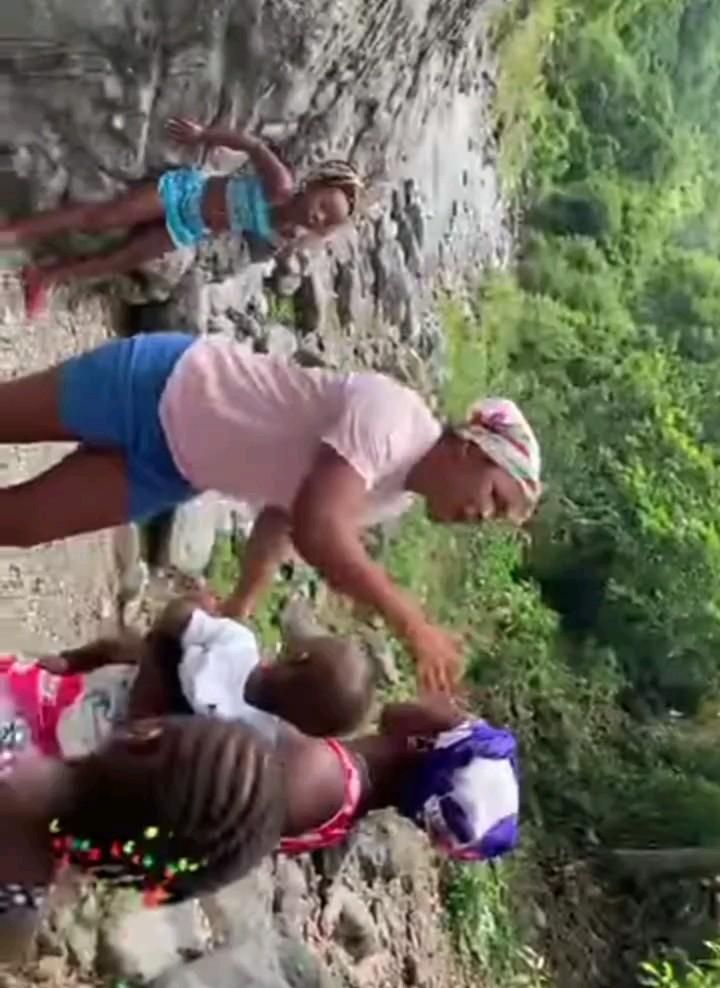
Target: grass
(281,309)
(482,916)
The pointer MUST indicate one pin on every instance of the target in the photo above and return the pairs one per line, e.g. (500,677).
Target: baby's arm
(129,648)
(156,690)
(420,719)
(276,178)
(125,649)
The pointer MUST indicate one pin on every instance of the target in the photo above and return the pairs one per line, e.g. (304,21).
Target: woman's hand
(185,131)
(437,655)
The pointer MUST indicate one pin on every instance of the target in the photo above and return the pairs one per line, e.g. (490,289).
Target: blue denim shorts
(182,191)
(109,398)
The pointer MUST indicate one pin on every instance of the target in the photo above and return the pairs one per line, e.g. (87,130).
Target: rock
(301,967)
(287,275)
(386,846)
(351,924)
(191,537)
(132,570)
(381,654)
(292,905)
(427,82)
(222,324)
(244,909)
(280,341)
(298,620)
(52,969)
(250,965)
(240,916)
(82,936)
(143,943)
(72,929)
(247,326)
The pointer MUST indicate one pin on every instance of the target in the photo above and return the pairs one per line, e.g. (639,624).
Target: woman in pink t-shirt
(161,417)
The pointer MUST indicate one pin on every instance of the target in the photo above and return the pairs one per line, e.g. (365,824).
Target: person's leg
(87,491)
(146,245)
(30,409)
(136,207)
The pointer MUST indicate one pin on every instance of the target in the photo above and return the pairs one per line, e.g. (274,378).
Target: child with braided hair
(172,807)
(176,806)
(186,206)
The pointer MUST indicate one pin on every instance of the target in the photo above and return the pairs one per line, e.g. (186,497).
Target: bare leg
(30,409)
(57,503)
(85,492)
(152,242)
(141,205)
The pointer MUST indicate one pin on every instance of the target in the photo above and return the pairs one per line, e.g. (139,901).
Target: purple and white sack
(466,795)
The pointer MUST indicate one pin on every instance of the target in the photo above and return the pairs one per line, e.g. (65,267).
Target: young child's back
(177,806)
(454,777)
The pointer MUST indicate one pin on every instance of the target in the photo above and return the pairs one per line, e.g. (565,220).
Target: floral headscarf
(503,433)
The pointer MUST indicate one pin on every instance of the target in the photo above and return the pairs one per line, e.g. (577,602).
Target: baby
(190,661)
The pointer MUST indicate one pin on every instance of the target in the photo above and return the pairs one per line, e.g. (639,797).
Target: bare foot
(36,290)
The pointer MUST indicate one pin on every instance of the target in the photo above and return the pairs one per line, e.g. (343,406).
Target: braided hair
(173,807)
(337,174)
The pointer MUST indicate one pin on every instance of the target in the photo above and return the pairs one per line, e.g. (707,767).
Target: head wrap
(501,431)
(465,792)
(340,175)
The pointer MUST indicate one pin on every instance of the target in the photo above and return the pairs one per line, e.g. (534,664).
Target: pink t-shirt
(250,425)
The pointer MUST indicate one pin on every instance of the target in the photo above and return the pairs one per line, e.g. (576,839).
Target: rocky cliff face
(405,88)
(366,915)
(401,86)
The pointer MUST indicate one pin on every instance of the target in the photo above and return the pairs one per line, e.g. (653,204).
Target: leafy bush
(665,974)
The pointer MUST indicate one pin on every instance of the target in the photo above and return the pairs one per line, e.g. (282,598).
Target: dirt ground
(57,594)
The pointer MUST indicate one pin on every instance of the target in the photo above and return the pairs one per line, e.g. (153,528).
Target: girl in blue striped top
(186,205)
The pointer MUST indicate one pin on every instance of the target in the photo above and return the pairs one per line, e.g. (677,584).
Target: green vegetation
(688,975)
(598,636)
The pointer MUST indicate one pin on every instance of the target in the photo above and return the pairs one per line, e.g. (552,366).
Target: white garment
(218,657)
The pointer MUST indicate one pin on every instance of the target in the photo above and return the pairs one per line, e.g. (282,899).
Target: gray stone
(301,967)
(352,924)
(191,537)
(292,904)
(131,567)
(386,846)
(81,934)
(280,341)
(143,944)
(382,655)
(298,620)
(243,910)
(249,965)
